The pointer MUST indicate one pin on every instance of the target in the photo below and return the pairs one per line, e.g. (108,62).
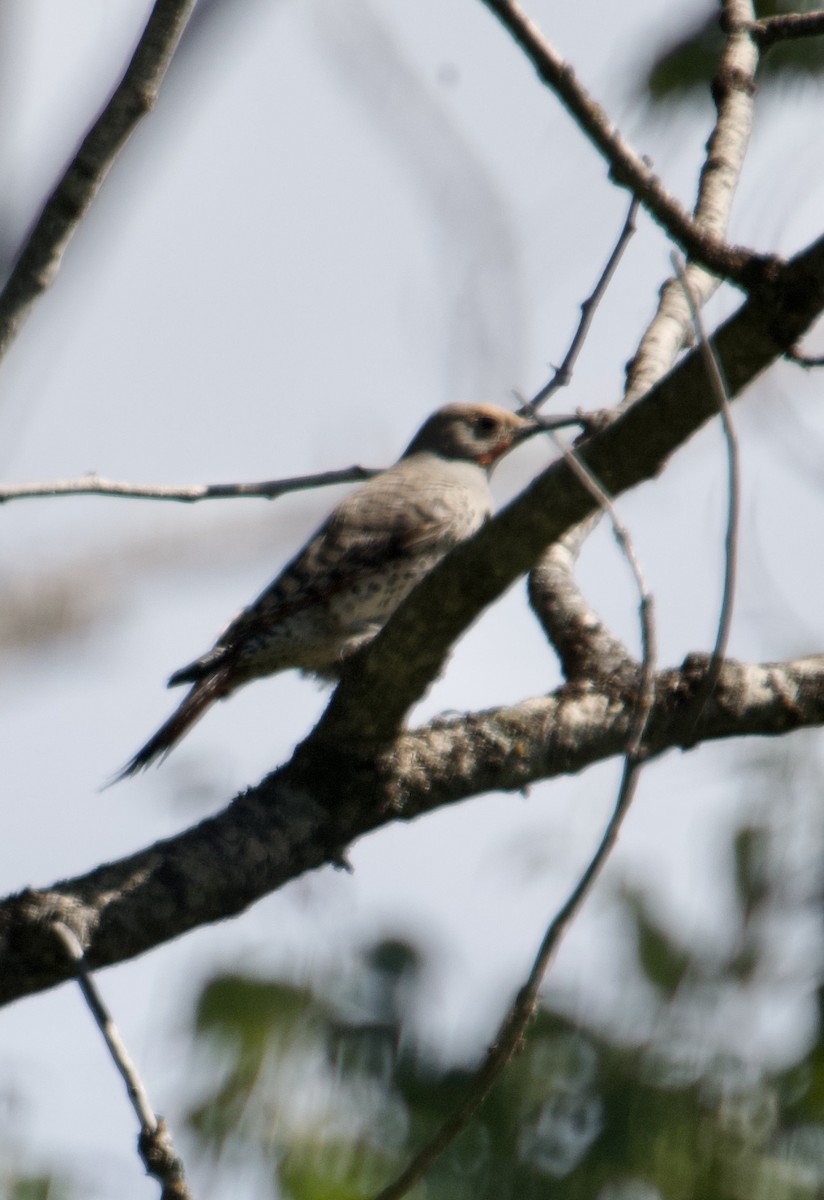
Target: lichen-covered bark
(305,814)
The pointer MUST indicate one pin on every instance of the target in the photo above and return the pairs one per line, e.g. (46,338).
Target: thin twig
(95,485)
(807,361)
(155,1145)
(646,604)
(783,26)
(579,638)
(111,1035)
(269,489)
(512,1029)
(520,1013)
(719,387)
(627,167)
(135,95)
(563,374)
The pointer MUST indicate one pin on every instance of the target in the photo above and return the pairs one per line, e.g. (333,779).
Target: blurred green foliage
(332,1087)
(34,1187)
(686,66)
(21,1176)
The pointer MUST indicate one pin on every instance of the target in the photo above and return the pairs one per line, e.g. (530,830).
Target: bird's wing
(373,527)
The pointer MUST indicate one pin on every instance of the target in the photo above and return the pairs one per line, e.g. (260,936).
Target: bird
(337,592)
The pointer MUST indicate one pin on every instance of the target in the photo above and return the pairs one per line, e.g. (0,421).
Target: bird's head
(479,433)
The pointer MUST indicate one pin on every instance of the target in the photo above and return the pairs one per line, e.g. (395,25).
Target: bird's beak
(535,423)
(520,427)
(525,424)
(528,425)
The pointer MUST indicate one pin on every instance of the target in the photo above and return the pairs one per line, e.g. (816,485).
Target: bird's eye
(486,424)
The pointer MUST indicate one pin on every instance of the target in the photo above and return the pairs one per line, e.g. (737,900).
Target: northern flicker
(349,578)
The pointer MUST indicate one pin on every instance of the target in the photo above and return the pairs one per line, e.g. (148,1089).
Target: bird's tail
(201,697)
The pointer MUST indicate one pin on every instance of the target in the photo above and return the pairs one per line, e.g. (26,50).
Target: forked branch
(628,168)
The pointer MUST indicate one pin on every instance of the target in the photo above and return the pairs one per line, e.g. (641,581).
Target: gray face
(473,433)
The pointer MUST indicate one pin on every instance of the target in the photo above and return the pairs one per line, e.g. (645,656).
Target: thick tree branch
(134,96)
(280,829)
(701,242)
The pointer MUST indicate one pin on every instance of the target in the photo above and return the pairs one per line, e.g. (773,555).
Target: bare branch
(719,387)
(733,92)
(700,242)
(135,95)
(300,817)
(784,26)
(155,1144)
(95,485)
(584,645)
(563,374)
(135,1090)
